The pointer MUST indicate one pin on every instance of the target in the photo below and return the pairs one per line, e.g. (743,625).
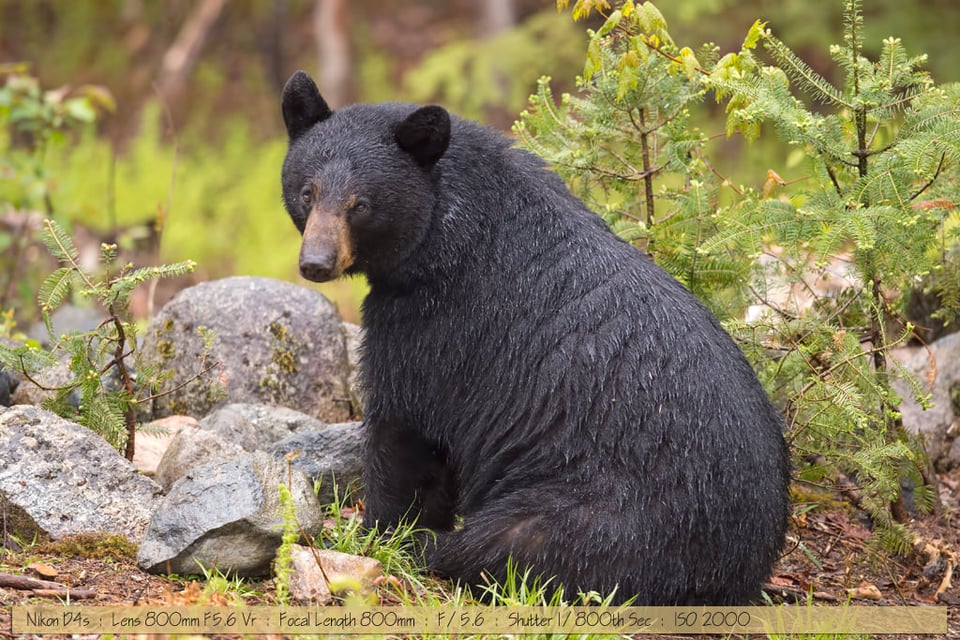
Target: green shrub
(880,157)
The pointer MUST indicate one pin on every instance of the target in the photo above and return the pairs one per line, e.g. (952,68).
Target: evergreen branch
(660,122)
(873,135)
(62,247)
(674,59)
(808,79)
(54,289)
(910,95)
(725,181)
(59,243)
(204,369)
(626,163)
(930,182)
(852,19)
(867,152)
(943,140)
(635,175)
(833,179)
(26,374)
(821,376)
(928,120)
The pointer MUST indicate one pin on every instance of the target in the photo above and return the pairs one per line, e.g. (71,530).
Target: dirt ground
(827,555)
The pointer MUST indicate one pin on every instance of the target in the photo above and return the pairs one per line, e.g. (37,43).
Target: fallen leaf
(43,570)
(866,592)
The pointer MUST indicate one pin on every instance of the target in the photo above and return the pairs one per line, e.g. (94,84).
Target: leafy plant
(627,146)
(290,536)
(820,259)
(874,200)
(106,378)
(33,122)
(473,76)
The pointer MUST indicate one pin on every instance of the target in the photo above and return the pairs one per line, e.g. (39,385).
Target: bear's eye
(306,196)
(360,207)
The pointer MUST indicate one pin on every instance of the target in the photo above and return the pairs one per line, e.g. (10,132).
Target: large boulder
(58,478)
(227,516)
(938,424)
(328,454)
(331,455)
(267,424)
(277,344)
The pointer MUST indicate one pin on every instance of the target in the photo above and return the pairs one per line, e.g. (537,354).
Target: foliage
(397,550)
(473,76)
(107,380)
(626,146)
(33,123)
(290,536)
(101,391)
(876,200)
(871,213)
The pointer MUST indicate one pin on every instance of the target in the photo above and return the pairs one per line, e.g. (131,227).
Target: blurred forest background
(183,160)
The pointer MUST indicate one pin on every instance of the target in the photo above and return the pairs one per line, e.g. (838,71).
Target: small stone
(346,573)
(190,448)
(154,439)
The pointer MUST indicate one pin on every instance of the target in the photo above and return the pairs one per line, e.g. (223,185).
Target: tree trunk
(271,46)
(331,22)
(496,17)
(181,57)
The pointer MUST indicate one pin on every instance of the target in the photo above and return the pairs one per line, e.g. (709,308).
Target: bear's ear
(302,105)
(425,134)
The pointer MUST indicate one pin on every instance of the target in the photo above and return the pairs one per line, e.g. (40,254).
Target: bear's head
(359,183)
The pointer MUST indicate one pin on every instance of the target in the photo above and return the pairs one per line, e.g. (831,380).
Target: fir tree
(881,152)
(107,379)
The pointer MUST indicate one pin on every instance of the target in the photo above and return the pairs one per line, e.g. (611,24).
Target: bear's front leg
(406,478)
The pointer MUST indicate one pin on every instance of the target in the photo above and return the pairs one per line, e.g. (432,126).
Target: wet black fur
(529,371)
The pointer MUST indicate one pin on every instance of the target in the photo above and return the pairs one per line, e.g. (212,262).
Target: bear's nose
(317,267)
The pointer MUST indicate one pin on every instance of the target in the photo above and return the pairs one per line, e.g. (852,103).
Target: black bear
(530,372)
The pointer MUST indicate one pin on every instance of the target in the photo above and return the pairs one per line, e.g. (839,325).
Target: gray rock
(354,336)
(315,571)
(938,425)
(269,424)
(58,478)
(154,439)
(232,425)
(278,344)
(227,516)
(190,448)
(331,456)
(67,319)
(227,433)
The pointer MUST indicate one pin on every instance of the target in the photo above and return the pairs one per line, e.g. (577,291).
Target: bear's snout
(317,267)
(327,248)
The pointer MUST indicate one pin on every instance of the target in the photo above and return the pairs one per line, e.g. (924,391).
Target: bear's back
(534,302)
